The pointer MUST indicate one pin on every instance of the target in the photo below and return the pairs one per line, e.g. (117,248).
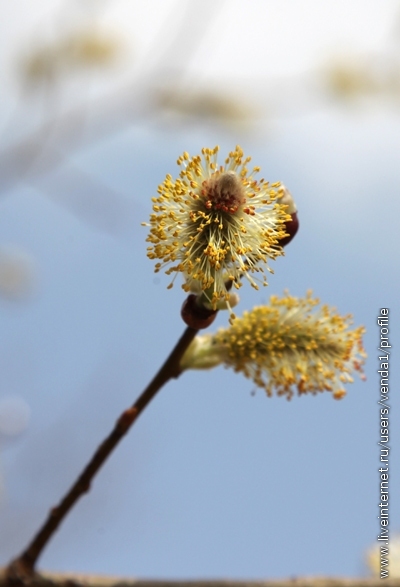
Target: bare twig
(22,568)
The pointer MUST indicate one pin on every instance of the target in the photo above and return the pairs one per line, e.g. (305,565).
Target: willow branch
(23,566)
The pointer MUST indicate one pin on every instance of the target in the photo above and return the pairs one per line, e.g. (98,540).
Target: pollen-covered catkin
(215,224)
(287,345)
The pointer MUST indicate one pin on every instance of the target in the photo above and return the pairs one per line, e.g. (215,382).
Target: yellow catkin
(287,345)
(216,223)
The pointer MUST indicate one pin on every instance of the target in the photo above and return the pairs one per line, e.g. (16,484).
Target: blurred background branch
(79,580)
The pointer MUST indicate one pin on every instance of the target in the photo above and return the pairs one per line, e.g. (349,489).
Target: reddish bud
(195,316)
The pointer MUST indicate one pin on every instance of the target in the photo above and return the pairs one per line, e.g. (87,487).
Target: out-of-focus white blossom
(207,105)
(14,415)
(373,558)
(17,272)
(79,50)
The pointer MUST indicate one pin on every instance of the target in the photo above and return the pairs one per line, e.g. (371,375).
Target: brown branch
(80,580)
(22,568)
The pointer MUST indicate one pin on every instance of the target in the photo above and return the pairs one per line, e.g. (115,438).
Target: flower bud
(195,315)
(292,225)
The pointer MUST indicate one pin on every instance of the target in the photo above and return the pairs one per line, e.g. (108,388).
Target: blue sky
(212,481)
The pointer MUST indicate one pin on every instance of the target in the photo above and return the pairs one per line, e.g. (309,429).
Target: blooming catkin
(216,224)
(286,345)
